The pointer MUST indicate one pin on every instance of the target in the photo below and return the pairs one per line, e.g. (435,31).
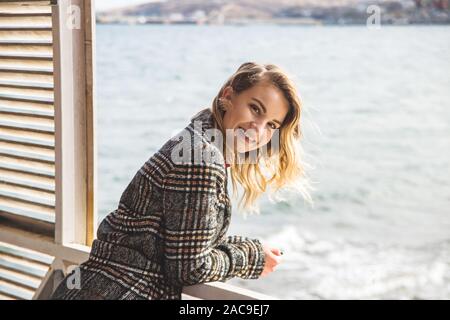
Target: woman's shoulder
(196,144)
(190,151)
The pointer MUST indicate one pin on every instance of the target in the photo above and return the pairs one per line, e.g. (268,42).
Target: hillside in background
(280,11)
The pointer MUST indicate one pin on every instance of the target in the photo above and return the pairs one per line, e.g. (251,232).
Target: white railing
(222,291)
(71,255)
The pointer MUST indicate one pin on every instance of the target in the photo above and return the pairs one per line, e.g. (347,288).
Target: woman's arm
(244,249)
(272,255)
(192,253)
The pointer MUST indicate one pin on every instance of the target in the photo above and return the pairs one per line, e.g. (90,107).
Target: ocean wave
(321,269)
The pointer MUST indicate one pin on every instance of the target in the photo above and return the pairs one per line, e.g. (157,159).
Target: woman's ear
(226,98)
(227,93)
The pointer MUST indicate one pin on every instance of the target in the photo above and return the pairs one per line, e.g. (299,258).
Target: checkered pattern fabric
(169,229)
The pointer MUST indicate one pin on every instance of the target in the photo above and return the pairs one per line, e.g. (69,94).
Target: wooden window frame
(75,140)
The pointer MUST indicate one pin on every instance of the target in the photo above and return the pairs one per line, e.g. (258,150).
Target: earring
(222,105)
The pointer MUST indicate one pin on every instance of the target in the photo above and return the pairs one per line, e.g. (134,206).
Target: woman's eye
(272,126)
(255,108)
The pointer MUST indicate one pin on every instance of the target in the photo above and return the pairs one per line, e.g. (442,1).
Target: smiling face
(254,114)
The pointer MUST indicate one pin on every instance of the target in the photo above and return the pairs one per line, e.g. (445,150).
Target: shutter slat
(25,178)
(27,196)
(3,296)
(25,42)
(15,291)
(26,119)
(24,85)
(24,28)
(27,151)
(25,70)
(31,111)
(26,49)
(26,57)
(8,75)
(21,271)
(24,14)
(20,41)
(27,112)
(38,36)
(19,264)
(31,131)
(20,279)
(36,159)
(29,2)
(33,22)
(27,185)
(21,137)
(26,209)
(29,170)
(23,98)
(26,254)
(42,197)
(21,143)
(27,93)
(32,165)
(26,105)
(27,156)
(28,64)
(11,7)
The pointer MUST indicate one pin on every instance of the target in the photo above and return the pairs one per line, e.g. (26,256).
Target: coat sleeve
(192,252)
(244,249)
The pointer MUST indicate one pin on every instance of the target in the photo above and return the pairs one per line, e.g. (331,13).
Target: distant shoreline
(143,20)
(288,12)
(269,23)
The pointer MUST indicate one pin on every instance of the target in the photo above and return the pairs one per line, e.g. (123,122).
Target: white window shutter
(47,142)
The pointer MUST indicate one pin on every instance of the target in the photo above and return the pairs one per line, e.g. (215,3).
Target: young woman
(169,229)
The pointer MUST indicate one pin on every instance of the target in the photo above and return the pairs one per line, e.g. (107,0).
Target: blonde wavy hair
(278,168)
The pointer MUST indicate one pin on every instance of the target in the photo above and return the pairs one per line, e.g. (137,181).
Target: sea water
(376,136)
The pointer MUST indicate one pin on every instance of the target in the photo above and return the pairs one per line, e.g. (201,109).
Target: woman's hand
(272,259)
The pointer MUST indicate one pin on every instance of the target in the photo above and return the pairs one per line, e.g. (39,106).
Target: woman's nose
(258,128)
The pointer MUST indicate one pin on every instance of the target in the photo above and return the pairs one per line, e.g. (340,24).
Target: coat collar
(202,122)
(206,119)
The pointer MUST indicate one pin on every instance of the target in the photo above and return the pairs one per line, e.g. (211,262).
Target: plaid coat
(169,229)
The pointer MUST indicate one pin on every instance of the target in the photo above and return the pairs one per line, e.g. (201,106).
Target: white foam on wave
(313,268)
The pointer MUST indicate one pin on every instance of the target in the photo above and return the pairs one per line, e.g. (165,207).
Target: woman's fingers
(273,259)
(276,254)
(277,260)
(276,251)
